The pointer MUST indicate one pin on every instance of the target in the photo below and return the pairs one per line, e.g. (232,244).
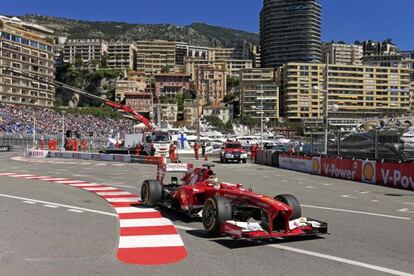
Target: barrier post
(339,143)
(311,149)
(376,145)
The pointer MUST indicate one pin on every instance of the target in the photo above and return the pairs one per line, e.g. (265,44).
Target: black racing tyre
(244,161)
(151,192)
(216,211)
(293,203)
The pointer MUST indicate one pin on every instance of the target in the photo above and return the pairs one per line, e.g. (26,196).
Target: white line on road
(348,196)
(60,205)
(341,260)
(406,210)
(75,211)
(354,212)
(287,248)
(51,206)
(28,202)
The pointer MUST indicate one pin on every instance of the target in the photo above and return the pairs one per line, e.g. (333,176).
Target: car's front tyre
(216,211)
(151,192)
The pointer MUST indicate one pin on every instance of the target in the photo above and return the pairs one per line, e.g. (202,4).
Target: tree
(231,83)
(165,69)
(78,60)
(214,121)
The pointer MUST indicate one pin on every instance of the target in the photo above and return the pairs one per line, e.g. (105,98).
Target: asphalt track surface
(371,228)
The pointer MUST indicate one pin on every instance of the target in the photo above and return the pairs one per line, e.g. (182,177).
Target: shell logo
(368,171)
(315,165)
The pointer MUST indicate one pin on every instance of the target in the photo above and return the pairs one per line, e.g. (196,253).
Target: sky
(346,20)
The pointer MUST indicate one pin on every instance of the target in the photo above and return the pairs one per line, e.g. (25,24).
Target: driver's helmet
(212,179)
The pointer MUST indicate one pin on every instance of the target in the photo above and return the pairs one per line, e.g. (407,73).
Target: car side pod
(299,227)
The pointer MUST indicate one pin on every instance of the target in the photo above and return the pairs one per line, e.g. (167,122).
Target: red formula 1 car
(229,209)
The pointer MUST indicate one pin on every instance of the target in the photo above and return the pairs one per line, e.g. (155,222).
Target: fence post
(376,145)
(339,142)
(311,149)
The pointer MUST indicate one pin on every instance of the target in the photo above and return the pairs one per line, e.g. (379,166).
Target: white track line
(341,260)
(75,211)
(354,212)
(282,247)
(60,205)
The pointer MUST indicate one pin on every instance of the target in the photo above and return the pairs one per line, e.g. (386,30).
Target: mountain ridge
(197,33)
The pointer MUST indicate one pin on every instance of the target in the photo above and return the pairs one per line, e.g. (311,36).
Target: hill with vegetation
(196,34)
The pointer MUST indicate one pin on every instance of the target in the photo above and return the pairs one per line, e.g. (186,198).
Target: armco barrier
(393,175)
(269,157)
(93,156)
(4,148)
(275,159)
(37,153)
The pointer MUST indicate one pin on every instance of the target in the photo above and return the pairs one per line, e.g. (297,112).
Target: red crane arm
(131,111)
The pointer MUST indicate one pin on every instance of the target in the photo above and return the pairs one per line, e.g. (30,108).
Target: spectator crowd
(22,119)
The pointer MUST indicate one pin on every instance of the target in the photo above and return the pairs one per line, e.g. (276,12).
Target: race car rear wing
(177,168)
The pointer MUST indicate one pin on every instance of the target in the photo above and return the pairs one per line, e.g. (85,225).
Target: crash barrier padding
(4,148)
(36,153)
(275,159)
(268,157)
(261,157)
(94,156)
(393,175)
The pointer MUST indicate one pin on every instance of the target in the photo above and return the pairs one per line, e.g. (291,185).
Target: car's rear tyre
(216,211)
(244,161)
(151,192)
(293,203)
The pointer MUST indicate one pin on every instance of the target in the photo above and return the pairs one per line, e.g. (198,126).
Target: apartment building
(170,84)
(133,83)
(379,48)
(222,54)
(255,56)
(191,64)
(358,91)
(210,84)
(85,50)
(140,101)
(184,50)
(233,66)
(153,56)
(122,55)
(409,55)
(169,113)
(341,53)
(259,93)
(191,108)
(290,31)
(26,48)
(222,111)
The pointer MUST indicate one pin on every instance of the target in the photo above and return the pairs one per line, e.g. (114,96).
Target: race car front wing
(253,230)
